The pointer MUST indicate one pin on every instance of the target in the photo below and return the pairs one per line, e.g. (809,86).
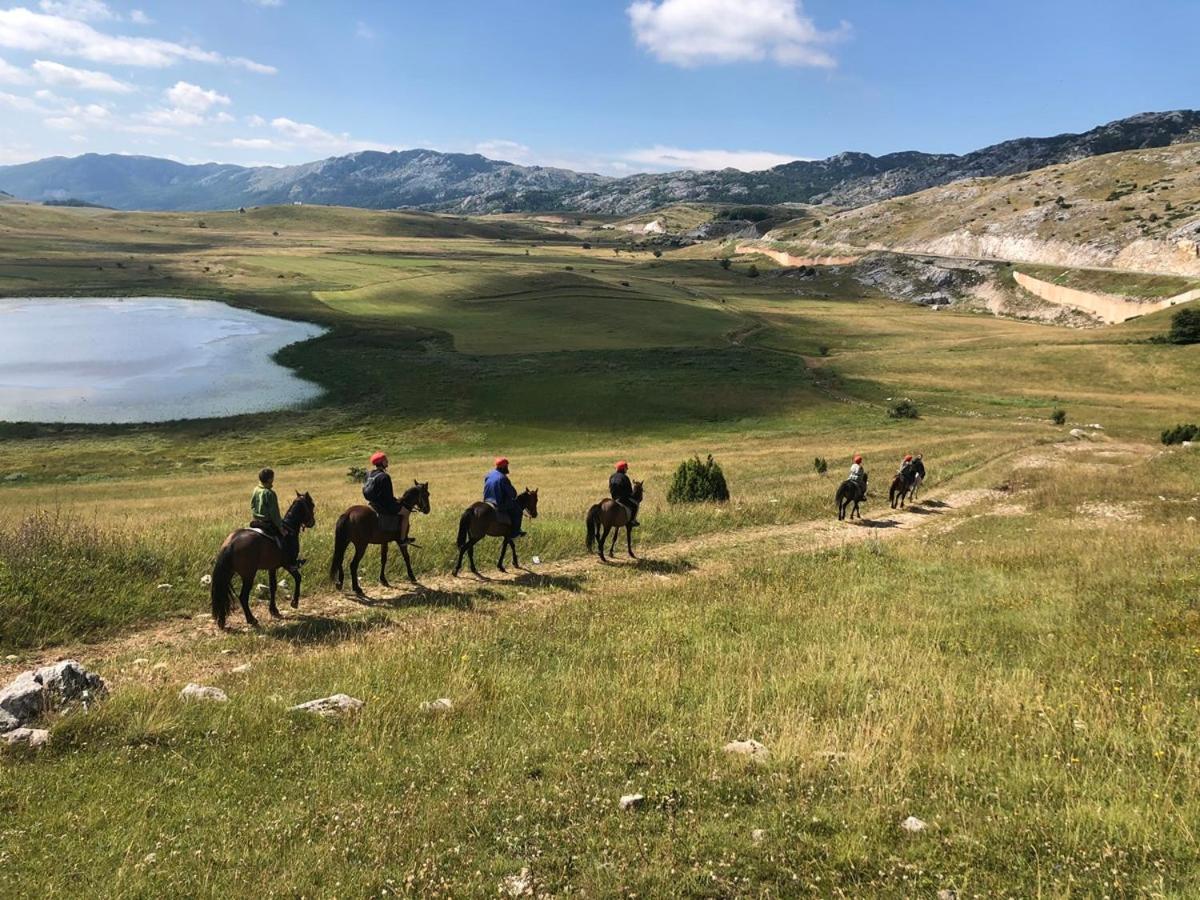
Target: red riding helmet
(622,466)
(379,459)
(908,458)
(858,459)
(501,462)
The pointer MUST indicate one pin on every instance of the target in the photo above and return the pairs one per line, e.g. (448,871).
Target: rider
(377,490)
(907,470)
(265,517)
(621,489)
(500,493)
(859,476)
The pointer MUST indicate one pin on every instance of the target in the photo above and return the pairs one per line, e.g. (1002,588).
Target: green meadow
(1015,661)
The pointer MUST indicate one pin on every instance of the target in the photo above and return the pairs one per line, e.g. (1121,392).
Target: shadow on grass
(312,630)
(878,523)
(420,595)
(923,510)
(654,566)
(935,504)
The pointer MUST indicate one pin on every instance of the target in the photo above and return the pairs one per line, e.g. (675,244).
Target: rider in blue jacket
(500,493)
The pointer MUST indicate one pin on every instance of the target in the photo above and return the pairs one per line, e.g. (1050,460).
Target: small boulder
(1078,433)
(240,670)
(68,681)
(752,750)
(912,825)
(141,661)
(205,580)
(21,701)
(758,835)
(440,705)
(165,587)
(33,738)
(632,801)
(947,894)
(518,885)
(203,692)
(328,707)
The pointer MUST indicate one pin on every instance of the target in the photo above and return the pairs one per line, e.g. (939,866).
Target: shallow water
(145,359)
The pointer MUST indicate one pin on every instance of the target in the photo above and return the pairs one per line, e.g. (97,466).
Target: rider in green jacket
(265,517)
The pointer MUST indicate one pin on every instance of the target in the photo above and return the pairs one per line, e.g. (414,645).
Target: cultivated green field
(1016,661)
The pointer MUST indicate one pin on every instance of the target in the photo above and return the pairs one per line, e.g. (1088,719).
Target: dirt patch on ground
(1107,510)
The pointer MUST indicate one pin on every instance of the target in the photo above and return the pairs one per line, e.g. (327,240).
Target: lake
(146,359)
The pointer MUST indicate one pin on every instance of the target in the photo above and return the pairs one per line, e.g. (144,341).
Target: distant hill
(469,183)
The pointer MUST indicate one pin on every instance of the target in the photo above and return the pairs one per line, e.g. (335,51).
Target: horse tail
(222,585)
(341,538)
(593,525)
(464,525)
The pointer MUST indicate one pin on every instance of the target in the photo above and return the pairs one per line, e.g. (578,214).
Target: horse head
(637,492)
(304,509)
(417,497)
(528,501)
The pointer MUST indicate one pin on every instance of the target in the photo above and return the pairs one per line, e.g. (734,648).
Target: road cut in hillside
(786,259)
(1109,308)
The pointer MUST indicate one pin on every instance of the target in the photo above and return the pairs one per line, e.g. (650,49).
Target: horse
(481,520)
(359,525)
(613,516)
(848,493)
(899,490)
(245,552)
(918,480)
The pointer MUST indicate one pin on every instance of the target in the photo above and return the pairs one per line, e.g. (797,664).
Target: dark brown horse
(612,516)
(848,493)
(481,520)
(360,526)
(246,552)
(899,490)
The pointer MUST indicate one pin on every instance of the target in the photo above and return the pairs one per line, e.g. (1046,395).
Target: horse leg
(629,541)
(603,541)
(471,556)
(407,561)
(274,583)
(383,550)
(359,551)
(612,548)
(503,547)
(296,589)
(244,598)
(513,546)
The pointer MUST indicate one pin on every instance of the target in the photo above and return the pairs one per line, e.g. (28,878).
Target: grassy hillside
(1012,661)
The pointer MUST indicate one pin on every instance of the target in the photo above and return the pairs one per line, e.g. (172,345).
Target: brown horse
(481,520)
(359,525)
(246,552)
(613,516)
(899,490)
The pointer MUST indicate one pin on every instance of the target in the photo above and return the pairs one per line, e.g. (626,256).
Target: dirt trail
(334,614)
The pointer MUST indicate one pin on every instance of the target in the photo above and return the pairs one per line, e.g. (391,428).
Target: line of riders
(385,520)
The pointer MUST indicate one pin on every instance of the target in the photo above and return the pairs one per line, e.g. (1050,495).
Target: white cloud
(271,4)
(696,32)
(23,29)
(77,117)
(84,10)
(87,79)
(255,121)
(10,74)
(173,118)
(510,151)
(660,157)
(137,17)
(312,137)
(251,144)
(185,95)
(21,104)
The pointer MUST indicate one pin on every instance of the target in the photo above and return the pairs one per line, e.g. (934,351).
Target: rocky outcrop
(35,692)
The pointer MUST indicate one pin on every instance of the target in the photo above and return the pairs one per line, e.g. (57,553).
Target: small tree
(903,409)
(586,246)
(698,482)
(356,474)
(1059,416)
(1185,327)
(1180,433)
(752,272)
(657,254)
(820,466)
(725,262)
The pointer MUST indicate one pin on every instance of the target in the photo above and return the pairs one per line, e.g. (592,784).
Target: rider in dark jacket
(378,488)
(621,489)
(919,466)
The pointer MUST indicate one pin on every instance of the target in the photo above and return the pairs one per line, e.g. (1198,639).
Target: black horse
(481,520)
(609,515)
(849,492)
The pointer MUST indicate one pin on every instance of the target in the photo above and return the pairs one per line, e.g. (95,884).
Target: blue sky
(604,85)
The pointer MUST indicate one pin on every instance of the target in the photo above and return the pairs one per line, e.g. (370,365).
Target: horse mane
(409,497)
(295,514)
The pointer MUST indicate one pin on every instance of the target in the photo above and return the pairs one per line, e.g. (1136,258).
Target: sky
(610,86)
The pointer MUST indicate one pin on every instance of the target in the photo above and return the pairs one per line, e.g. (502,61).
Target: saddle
(388,522)
(259,529)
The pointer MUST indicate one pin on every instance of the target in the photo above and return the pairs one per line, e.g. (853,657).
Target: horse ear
(416,483)
(298,494)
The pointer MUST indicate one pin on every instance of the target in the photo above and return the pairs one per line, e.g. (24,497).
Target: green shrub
(820,466)
(357,473)
(1185,327)
(1059,416)
(725,263)
(903,409)
(1180,433)
(752,272)
(698,482)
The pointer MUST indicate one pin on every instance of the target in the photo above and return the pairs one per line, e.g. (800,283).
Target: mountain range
(470,183)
